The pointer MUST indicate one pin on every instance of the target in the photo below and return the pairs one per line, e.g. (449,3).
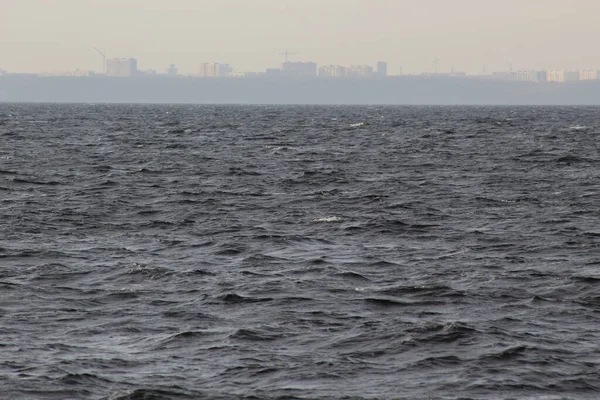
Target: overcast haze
(58,35)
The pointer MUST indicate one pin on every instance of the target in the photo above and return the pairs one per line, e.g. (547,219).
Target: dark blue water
(186,252)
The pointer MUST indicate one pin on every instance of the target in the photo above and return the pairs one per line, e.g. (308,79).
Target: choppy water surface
(186,252)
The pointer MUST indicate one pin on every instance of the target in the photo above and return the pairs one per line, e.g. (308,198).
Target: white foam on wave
(579,128)
(328,219)
(357,125)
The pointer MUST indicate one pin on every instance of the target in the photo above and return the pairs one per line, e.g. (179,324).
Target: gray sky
(58,35)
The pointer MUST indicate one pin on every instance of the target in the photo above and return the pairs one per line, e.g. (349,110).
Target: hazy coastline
(389,90)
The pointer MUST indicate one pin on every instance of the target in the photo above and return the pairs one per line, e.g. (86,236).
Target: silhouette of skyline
(127,67)
(462,35)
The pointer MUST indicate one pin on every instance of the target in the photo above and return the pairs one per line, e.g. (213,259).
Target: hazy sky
(58,35)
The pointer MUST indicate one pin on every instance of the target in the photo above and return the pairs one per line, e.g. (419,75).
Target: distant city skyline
(464,35)
(128,68)
(189,68)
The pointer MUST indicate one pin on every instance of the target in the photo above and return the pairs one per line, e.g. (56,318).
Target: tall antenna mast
(103,54)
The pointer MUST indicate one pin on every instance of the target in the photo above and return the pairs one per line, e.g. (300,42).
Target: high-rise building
(172,70)
(299,69)
(359,71)
(589,75)
(531,76)
(332,71)
(215,70)
(382,68)
(556,76)
(209,70)
(571,76)
(225,70)
(122,67)
(563,76)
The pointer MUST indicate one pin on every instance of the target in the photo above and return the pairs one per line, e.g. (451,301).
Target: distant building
(299,69)
(503,76)
(453,74)
(172,70)
(382,68)
(273,72)
(215,70)
(244,74)
(525,76)
(589,75)
(542,76)
(122,67)
(556,76)
(3,72)
(209,70)
(531,76)
(225,70)
(332,71)
(571,76)
(359,71)
(76,73)
(563,76)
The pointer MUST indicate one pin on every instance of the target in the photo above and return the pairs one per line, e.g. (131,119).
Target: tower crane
(103,54)
(286,54)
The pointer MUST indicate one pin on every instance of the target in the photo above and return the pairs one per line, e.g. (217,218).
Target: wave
(36,182)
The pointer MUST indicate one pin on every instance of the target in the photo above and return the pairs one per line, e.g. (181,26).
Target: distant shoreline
(392,90)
